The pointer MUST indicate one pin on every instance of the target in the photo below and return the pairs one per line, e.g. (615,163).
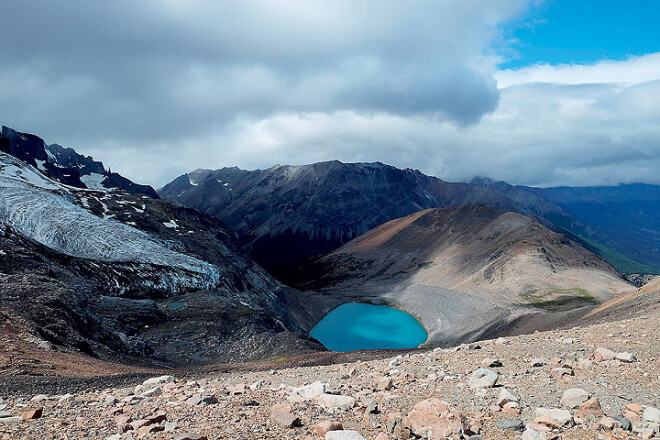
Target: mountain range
(311,210)
(233,265)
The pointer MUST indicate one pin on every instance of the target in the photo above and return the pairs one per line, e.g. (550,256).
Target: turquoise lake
(356,326)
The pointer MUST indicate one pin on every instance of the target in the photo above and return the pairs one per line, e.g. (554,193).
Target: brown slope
(464,269)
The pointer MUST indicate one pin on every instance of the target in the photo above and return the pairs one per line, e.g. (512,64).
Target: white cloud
(634,70)
(158,90)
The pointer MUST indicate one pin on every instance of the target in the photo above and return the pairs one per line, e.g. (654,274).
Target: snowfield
(43,211)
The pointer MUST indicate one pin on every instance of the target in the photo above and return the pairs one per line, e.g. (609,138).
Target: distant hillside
(467,269)
(619,223)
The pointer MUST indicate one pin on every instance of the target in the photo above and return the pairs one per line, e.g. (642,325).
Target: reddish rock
(634,407)
(436,420)
(324,427)
(33,414)
(282,415)
(590,408)
(603,354)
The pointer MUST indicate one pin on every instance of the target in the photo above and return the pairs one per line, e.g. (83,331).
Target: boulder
(590,408)
(603,354)
(483,378)
(281,414)
(562,416)
(511,425)
(505,397)
(626,357)
(335,402)
(33,414)
(158,380)
(574,397)
(436,420)
(307,392)
(651,415)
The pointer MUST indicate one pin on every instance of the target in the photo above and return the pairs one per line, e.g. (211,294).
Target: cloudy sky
(533,92)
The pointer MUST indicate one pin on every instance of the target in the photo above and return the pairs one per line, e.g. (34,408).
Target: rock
(343,435)
(626,357)
(511,408)
(382,436)
(39,398)
(625,423)
(170,426)
(537,362)
(158,380)
(491,363)
(383,383)
(483,378)
(436,420)
(66,398)
(548,421)
(114,437)
(335,402)
(634,407)
(158,417)
(322,428)
(608,423)
(191,437)
(111,401)
(574,397)
(562,416)
(505,397)
(511,425)
(10,420)
(237,389)
(307,392)
(152,392)
(397,425)
(531,434)
(282,415)
(501,341)
(603,354)
(585,364)
(651,415)
(590,408)
(33,414)
(202,399)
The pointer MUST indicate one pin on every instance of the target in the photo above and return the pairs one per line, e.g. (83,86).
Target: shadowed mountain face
(125,275)
(66,166)
(467,271)
(287,214)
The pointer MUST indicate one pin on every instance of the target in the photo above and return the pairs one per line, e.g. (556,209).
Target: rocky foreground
(595,382)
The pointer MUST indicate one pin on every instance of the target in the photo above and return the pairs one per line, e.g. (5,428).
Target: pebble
(574,397)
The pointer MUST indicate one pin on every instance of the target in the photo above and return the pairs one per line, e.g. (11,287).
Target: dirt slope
(467,272)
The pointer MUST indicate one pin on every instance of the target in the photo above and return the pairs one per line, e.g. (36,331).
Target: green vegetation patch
(622,263)
(559,300)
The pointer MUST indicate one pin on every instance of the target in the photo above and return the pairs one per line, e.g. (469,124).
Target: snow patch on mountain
(94,181)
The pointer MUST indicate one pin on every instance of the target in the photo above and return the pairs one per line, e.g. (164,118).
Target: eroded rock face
(436,420)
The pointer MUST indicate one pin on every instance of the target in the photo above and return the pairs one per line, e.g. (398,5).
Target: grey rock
(511,425)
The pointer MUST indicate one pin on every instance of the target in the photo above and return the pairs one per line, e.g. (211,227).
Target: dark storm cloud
(159,88)
(139,70)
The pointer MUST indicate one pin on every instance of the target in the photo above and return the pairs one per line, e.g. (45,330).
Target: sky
(533,92)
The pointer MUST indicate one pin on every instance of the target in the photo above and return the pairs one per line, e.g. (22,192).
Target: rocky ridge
(591,382)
